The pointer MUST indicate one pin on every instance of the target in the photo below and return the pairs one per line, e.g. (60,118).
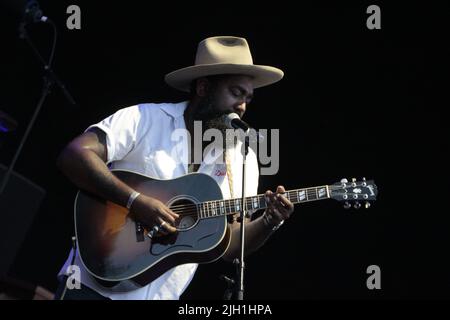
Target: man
(139,139)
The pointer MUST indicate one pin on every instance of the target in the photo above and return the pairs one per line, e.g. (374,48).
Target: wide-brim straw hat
(223,55)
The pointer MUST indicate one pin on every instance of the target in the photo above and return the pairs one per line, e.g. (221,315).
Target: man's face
(224,95)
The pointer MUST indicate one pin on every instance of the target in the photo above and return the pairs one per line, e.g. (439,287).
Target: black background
(354,102)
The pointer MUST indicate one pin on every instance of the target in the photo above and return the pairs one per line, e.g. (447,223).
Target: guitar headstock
(354,192)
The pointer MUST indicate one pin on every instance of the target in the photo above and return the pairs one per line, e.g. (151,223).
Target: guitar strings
(248,199)
(195,209)
(291,194)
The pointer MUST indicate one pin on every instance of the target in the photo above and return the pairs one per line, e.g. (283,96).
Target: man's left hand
(279,208)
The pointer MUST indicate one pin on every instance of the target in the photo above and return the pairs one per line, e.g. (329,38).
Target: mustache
(210,114)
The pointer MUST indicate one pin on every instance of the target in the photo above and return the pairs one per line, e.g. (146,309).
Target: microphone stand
(49,79)
(240,263)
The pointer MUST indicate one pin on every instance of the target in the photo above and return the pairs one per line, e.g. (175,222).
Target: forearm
(89,172)
(256,234)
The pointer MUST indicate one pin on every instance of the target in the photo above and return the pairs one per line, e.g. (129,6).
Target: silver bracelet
(269,225)
(131,199)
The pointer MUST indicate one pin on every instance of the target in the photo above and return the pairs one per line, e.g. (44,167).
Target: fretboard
(231,206)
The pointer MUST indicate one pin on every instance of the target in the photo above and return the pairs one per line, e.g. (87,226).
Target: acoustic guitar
(114,247)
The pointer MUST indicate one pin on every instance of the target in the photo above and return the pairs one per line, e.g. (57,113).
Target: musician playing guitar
(139,139)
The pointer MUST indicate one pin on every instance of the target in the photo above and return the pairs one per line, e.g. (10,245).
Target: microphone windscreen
(228,118)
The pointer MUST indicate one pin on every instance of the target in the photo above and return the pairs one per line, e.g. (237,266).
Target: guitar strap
(232,218)
(229,174)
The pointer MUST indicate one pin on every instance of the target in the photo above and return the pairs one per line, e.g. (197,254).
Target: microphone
(232,120)
(27,11)
(33,13)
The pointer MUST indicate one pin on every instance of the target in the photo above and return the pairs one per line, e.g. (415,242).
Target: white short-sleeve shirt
(145,139)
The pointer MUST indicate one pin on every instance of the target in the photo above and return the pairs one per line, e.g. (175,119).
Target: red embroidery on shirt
(220,173)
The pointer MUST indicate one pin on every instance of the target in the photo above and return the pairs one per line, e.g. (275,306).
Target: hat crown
(223,49)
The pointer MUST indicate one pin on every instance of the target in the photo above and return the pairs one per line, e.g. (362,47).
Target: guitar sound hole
(188,214)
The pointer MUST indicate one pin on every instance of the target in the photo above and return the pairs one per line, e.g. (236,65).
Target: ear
(202,86)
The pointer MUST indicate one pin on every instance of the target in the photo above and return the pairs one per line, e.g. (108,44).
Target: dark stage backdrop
(354,102)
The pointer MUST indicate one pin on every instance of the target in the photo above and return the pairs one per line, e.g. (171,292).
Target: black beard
(213,119)
(209,116)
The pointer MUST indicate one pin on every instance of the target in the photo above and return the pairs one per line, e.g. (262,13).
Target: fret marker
(301,195)
(322,192)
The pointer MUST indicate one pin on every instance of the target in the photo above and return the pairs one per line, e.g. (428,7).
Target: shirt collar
(174,110)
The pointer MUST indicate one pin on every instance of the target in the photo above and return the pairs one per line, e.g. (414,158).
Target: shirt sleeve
(121,131)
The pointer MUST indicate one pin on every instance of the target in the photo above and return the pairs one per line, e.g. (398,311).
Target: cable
(74,248)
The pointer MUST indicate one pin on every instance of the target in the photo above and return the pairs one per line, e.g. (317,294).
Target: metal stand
(49,79)
(240,283)
(238,286)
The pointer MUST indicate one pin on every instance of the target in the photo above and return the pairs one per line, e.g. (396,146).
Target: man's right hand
(84,162)
(152,212)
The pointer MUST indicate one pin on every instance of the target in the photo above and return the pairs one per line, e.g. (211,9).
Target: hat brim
(261,75)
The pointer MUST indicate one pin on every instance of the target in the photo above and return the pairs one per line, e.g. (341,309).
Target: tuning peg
(367,205)
(347,205)
(364,182)
(353,182)
(357,205)
(344,182)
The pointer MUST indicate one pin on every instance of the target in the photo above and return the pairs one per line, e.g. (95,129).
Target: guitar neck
(231,206)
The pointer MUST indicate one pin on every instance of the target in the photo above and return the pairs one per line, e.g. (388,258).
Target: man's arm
(83,161)
(259,230)
(256,234)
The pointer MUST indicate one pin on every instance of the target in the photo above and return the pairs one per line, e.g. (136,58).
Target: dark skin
(83,161)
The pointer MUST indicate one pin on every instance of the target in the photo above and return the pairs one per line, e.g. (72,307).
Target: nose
(240,108)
